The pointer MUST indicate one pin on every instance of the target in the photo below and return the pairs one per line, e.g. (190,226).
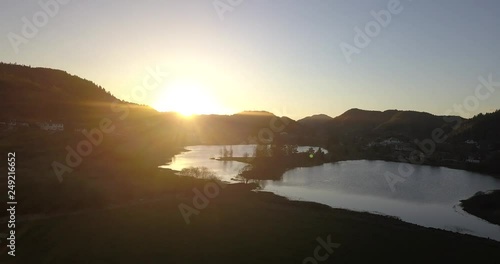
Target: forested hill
(481,127)
(41,94)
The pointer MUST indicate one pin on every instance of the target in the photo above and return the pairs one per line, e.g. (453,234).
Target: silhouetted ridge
(41,94)
(481,127)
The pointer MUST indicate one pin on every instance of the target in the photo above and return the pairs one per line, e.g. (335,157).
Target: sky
(227,56)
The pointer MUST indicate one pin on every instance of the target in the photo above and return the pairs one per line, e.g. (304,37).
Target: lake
(430,197)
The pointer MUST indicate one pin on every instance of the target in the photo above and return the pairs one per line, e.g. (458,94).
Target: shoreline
(463,167)
(247,161)
(474,205)
(459,166)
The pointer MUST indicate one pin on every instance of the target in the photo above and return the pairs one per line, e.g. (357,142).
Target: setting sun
(187,97)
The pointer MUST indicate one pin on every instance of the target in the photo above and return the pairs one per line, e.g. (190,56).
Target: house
(390,141)
(473,159)
(50,126)
(13,124)
(404,147)
(471,142)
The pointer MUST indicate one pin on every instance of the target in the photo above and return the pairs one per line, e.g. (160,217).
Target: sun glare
(187,98)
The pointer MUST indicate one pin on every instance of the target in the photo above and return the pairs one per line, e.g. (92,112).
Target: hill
(31,95)
(483,127)
(250,127)
(41,94)
(389,123)
(38,94)
(315,118)
(315,121)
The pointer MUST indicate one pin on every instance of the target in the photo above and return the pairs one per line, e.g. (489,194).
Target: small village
(48,125)
(468,152)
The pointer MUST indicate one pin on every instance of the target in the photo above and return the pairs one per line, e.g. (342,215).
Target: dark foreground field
(238,226)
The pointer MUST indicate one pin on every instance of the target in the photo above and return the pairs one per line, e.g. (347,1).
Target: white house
(390,141)
(49,126)
(473,159)
(12,124)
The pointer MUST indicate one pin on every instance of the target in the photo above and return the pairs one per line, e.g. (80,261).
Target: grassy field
(238,226)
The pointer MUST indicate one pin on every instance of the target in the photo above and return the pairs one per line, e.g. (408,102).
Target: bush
(199,173)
